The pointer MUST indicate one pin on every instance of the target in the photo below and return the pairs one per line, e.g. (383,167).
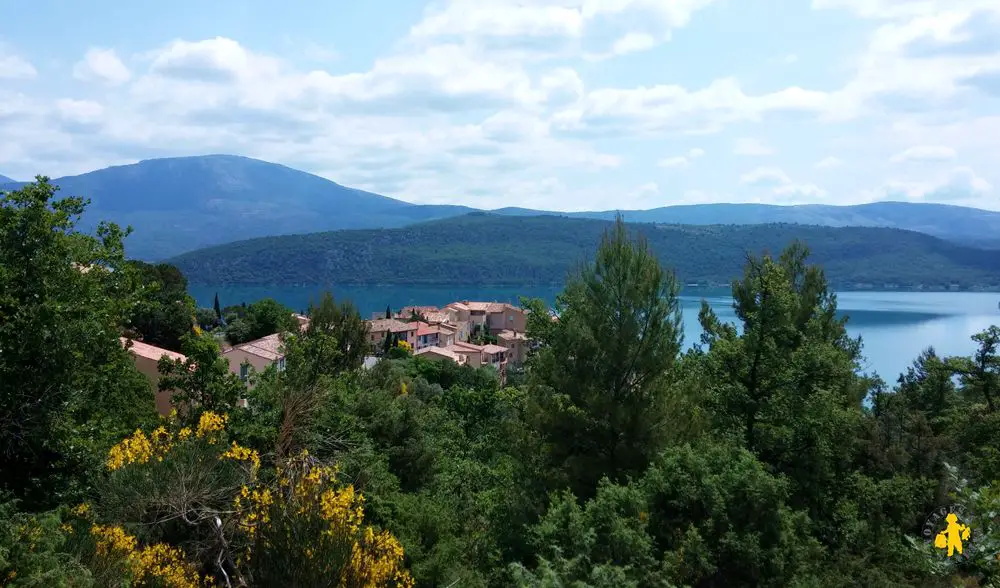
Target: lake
(895,326)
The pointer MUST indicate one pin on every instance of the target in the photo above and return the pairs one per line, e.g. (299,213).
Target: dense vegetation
(500,250)
(614,460)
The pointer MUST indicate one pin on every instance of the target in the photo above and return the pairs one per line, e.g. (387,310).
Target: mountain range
(5,180)
(488,249)
(186,203)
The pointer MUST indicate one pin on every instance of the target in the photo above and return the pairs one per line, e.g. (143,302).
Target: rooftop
(425,329)
(463,347)
(391,325)
(508,335)
(267,347)
(437,317)
(439,351)
(147,351)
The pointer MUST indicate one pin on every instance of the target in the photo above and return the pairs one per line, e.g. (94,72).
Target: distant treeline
(491,249)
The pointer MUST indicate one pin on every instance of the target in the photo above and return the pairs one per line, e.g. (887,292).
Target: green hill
(481,248)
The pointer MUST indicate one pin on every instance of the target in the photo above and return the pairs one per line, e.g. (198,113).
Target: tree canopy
(763,456)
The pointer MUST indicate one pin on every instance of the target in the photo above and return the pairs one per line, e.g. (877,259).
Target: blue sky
(554,104)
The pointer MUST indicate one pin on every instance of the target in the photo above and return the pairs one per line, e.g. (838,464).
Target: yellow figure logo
(953,535)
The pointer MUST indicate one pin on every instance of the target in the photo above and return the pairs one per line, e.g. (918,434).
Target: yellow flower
(210,423)
(237,453)
(139,448)
(159,564)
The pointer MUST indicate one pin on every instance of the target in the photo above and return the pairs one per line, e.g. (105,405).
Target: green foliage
(701,515)
(599,384)
(166,311)
(260,319)
(611,460)
(63,296)
(33,551)
(203,378)
(206,318)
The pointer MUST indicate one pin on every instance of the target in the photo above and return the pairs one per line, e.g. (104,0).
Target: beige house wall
(236,357)
(148,368)
(512,319)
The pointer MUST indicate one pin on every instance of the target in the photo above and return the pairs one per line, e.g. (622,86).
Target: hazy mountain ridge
(185,203)
(180,204)
(493,249)
(941,220)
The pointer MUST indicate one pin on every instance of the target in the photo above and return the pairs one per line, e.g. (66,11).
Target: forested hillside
(482,248)
(762,457)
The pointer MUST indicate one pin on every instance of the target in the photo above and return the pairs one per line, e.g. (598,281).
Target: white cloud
(491,102)
(675,108)
(101,65)
(781,184)
(682,160)
(546,28)
(895,9)
(829,162)
(765,176)
(960,184)
(212,60)
(889,77)
(800,191)
(15,67)
(924,153)
(750,146)
(79,111)
(633,42)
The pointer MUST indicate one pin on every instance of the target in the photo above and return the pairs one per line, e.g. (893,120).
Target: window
(281,364)
(244,371)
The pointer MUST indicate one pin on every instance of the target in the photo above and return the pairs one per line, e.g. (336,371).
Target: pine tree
(218,307)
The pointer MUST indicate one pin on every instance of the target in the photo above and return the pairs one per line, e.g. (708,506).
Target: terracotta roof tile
(391,325)
(267,347)
(441,351)
(467,347)
(508,335)
(147,351)
(425,329)
(437,317)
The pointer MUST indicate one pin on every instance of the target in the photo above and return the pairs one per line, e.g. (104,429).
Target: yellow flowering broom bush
(309,531)
(204,510)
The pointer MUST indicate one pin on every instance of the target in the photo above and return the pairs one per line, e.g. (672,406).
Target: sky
(549,104)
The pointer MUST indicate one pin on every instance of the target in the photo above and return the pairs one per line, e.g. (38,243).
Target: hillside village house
(444,334)
(516,344)
(147,358)
(379,328)
(258,354)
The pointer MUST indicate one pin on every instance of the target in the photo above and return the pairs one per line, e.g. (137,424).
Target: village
(468,333)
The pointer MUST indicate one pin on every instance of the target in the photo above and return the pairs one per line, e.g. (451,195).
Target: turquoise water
(895,326)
